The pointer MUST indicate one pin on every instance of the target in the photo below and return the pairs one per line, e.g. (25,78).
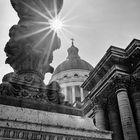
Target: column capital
(135,81)
(99,101)
(120,82)
(135,61)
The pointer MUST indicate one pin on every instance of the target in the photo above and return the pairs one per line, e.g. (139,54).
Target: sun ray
(36,11)
(76,26)
(69,12)
(47,51)
(42,3)
(40,22)
(64,36)
(43,38)
(68,31)
(50,48)
(66,19)
(55,7)
(33,33)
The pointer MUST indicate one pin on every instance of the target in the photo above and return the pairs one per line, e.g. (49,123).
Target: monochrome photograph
(70,70)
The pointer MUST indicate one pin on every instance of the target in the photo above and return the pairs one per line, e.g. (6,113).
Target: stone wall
(23,123)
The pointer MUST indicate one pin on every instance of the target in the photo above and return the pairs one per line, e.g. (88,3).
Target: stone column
(114,120)
(73,94)
(82,94)
(135,96)
(100,121)
(65,93)
(127,120)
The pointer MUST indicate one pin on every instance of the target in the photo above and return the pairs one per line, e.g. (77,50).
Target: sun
(56,24)
(49,23)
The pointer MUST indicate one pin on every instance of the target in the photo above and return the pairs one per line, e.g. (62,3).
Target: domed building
(70,74)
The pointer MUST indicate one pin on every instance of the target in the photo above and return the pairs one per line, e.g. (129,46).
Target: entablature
(129,57)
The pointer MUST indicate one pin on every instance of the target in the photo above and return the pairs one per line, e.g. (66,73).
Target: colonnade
(73,93)
(122,112)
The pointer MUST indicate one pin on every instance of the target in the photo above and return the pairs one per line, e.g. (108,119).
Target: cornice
(116,56)
(133,45)
(107,79)
(113,56)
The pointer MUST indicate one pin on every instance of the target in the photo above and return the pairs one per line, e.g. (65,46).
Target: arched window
(75,75)
(65,76)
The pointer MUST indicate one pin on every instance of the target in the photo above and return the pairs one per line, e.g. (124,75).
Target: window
(65,76)
(76,75)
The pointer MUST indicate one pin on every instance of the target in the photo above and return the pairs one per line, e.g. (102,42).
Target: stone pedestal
(127,120)
(114,122)
(100,120)
(18,123)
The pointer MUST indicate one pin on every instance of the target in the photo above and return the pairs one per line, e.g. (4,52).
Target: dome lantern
(73,51)
(73,61)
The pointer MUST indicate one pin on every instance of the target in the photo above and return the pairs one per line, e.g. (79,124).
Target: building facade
(114,87)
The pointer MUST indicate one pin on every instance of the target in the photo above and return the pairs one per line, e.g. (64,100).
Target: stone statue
(30,48)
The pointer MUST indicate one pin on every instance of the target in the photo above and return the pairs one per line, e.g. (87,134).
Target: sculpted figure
(32,42)
(30,48)
(54,93)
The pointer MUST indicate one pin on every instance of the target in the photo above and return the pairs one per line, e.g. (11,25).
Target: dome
(73,61)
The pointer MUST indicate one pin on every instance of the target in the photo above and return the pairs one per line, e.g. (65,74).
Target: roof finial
(72,41)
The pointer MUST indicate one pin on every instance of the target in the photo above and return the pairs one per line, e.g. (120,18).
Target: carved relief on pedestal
(52,93)
(31,135)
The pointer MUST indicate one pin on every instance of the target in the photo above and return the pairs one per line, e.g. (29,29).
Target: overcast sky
(94,24)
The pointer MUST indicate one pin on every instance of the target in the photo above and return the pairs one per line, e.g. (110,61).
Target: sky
(95,25)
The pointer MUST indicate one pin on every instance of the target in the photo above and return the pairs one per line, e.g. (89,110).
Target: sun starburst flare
(51,23)
(56,24)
